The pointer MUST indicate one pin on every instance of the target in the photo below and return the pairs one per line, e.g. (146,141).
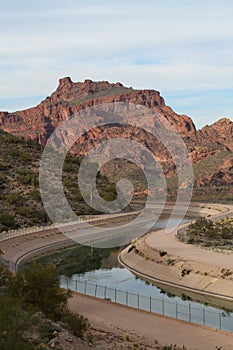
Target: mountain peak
(64,83)
(219,132)
(223,121)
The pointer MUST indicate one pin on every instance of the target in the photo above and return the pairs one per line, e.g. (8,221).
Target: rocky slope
(210,148)
(20,201)
(219,133)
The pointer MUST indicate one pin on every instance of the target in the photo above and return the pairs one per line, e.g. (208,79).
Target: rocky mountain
(210,148)
(219,133)
(38,123)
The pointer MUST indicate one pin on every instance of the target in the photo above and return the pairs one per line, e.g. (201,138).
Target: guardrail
(187,312)
(35,229)
(13,265)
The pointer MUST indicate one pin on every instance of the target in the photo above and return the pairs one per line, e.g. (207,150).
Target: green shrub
(26,179)
(3,167)
(25,211)
(40,217)
(35,194)
(39,288)
(13,198)
(13,152)
(25,156)
(14,324)
(5,275)
(170,261)
(77,323)
(3,180)
(7,219)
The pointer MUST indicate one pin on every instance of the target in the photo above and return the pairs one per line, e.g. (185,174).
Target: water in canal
(121,286)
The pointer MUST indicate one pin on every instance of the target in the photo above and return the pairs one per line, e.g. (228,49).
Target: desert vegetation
(20,201)
(34,308)
(208,233)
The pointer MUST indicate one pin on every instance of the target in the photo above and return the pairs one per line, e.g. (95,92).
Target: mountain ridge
(70,97)
(71,94)
(210,148)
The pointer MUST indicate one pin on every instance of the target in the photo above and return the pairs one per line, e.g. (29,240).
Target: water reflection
(121,286)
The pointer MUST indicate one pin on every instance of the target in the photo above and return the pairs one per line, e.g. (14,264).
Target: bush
(162,253)
(40,217)
(76,323)
(3,167)
(13,152)
(25,156)
(26,179)
(25,211)
(5,275)
(14,324)
(35,194)
(170,261)
(3,180)
(209,233)
(7,220)
(39,288)
(13,198)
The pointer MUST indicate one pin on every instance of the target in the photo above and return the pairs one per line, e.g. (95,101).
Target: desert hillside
(210,148)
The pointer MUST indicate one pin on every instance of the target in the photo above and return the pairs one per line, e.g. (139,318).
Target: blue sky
(182,48)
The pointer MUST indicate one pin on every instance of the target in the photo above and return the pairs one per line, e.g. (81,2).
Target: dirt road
(109,316)
(160,240)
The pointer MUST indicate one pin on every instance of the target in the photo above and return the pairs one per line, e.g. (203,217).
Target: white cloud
(172,46)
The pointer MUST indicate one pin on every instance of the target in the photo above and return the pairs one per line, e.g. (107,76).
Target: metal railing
(187,311)
(36,229)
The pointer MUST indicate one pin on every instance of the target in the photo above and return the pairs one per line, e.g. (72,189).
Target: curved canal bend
(222,317)
(122,286)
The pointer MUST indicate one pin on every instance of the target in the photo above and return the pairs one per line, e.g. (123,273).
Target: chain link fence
(188,311)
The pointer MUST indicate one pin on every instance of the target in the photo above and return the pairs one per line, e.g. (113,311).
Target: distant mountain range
(211,148)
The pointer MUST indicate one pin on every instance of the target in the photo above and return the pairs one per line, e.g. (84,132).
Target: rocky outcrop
(38,123)
(219,133)
(214,142)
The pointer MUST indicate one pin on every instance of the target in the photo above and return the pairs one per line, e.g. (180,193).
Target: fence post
(105,292)
(220,320)
(150,303)
(85,287)
(76,285)
(115,295)
(203,316)
(126,298)
(162,306)
(190,312)
(95,289)
(176,310)
(138,300)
